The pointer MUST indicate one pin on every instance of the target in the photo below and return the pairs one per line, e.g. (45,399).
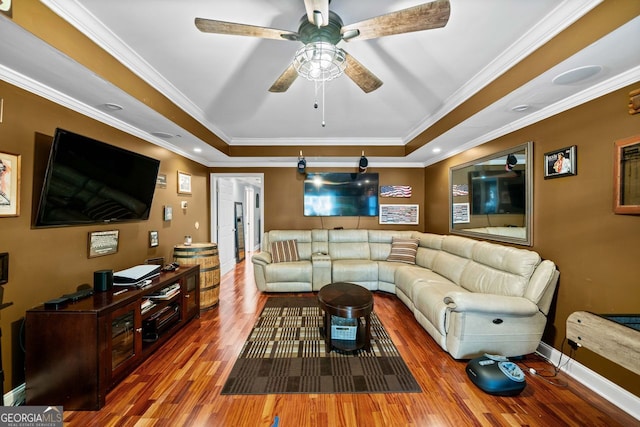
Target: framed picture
(4,268)
(399,214)
(161,180)
(184,183)
(167,213)
(153,239)
(560,162)
(626,178)
(460,212)
(103,243)
(9,184)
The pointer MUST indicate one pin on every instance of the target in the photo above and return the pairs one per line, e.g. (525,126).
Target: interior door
(226,225)
(239,215)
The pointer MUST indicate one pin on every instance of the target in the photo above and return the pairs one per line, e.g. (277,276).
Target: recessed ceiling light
(163,135)
(576,75)
(112,107)
(520,108)
(437,150)
(198,150)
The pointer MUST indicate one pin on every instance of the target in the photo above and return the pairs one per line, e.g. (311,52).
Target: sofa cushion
(380,242)
(428,299)
(284,251)
(403,250)
(349,244)
(296,271)
(499,270)
(429,247)
(302,237)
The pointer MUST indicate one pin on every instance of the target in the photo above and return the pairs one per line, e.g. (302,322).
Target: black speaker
(102,280)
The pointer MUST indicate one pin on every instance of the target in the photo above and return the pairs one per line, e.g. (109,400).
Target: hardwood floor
(180,384)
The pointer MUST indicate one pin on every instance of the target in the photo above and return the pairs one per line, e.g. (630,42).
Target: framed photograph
(460,213)
(153,239)
(9,184)
(167,213)
(184,183)
(399,214)
(560,162)
(626,176)
(4,268)
(161,180)
(103,243)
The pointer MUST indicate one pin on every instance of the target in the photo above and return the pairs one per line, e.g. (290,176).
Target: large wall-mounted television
(497,192)
(88,181)
(341,194)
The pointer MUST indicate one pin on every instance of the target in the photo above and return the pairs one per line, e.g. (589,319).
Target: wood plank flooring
(180,384)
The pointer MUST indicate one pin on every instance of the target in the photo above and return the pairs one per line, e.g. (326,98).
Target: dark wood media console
(76,354)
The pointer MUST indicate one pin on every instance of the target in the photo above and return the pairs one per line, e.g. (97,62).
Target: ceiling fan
(321,29)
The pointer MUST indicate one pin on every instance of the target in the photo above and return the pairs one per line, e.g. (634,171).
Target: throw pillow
(284,251)
(403,250)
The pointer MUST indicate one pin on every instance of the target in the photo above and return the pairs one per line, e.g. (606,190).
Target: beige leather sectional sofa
(472,297)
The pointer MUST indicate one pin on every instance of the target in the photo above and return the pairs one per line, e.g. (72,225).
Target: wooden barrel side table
(349,301)
(206,256)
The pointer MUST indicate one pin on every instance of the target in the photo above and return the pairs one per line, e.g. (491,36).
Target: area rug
(285,353)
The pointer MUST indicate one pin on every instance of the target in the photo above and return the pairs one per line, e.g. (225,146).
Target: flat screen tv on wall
(341,194)
(88,181)
(497,192)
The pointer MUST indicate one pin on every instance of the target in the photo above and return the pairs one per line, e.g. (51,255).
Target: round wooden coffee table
(348,301)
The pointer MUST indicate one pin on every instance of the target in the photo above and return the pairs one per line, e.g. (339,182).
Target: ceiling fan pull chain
(323,123)
(315,95)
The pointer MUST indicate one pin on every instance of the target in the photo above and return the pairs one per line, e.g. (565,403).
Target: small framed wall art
(167,213)
(103,243)
(184,183)
(9,184)
(560,162)
(399,214)
(153,239)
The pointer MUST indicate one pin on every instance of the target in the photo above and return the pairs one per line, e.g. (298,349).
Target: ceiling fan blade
(222,27)
(285,80)
(314,7)
(360,75)
(418,18)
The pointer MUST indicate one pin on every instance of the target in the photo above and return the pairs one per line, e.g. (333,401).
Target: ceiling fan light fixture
(320,61)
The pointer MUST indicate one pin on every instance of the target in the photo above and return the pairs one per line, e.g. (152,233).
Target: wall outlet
(183,204)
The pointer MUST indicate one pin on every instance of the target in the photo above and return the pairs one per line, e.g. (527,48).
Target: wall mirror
(626,176)
(492,197)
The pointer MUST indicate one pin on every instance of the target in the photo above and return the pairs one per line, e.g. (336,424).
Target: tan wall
(596,251)
(46,263)
(283,197)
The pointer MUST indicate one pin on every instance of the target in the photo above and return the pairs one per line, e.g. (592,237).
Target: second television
(341,194)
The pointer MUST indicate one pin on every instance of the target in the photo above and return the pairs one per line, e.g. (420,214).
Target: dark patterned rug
(285,353)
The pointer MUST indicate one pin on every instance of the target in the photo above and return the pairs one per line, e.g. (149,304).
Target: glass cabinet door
(125,340)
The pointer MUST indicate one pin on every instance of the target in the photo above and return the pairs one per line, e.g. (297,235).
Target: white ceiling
(222,80)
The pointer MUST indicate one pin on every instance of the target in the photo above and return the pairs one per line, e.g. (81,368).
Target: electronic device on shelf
(159,322)
(165,293)
(171,267)
(137,275)
(76,296)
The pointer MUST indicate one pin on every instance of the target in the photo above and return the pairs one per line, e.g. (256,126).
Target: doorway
(227,189)
(240,239)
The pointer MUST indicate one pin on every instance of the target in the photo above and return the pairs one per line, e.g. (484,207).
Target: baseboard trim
(15,397)
(615,394)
